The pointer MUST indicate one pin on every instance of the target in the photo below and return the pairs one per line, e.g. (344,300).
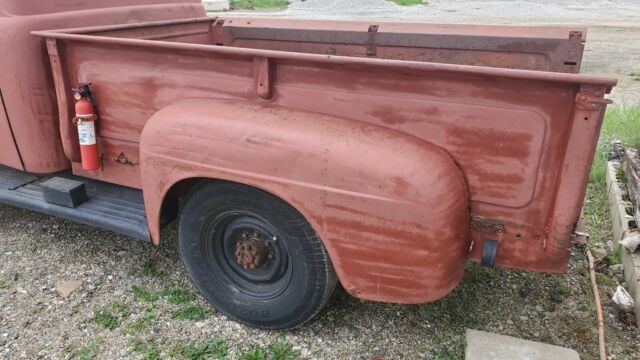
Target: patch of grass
(144,295)
(282,350)
(635,76)
(622,124)
(150,269)
(4,283)
(121,308)
(409,2)
(88,351)
(619,123)
(561,289)
(615,257)
(258,4)
(178,295)
(605,280)
(445,352)
(105,318)
(146,348)
(213,349)
(191,312)
(254,353)
(141,324)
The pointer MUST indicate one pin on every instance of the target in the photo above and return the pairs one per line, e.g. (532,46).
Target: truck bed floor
(111,207)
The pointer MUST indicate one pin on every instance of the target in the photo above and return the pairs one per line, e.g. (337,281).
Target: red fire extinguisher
(86,119)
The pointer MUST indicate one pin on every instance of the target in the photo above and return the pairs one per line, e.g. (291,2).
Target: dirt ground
(137,302)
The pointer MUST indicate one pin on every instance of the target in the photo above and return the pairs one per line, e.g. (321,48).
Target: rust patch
(487,225)
(251,252)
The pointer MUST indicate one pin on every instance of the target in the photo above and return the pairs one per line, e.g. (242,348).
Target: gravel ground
(134,282)
(136,300)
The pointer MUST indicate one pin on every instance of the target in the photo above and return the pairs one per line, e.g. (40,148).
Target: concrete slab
(617,206)
(487,346)
(630,261)
(216,5)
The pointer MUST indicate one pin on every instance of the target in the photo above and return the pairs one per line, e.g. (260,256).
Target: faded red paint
(28,88)
(448,135)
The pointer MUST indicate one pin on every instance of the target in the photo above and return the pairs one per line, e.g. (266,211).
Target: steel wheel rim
(266,281)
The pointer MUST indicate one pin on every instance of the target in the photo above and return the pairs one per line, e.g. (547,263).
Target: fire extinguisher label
(87,133)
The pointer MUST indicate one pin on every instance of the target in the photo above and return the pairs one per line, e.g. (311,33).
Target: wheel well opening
(173,199)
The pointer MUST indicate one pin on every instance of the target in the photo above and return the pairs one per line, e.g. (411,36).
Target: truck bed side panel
(506,134)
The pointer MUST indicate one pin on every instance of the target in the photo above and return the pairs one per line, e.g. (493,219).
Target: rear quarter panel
(391,209)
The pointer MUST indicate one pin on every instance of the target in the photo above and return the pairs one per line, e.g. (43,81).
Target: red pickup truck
(296,154)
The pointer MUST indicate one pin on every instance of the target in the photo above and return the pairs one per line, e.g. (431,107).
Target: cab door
(8,151)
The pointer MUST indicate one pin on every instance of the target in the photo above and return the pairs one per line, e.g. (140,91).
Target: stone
(487,346)
(599,253)
(617,268)
(66,288)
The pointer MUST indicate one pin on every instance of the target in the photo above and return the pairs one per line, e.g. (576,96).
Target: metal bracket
(216,29)
(263,77)
(579,237)
(371,43)
(591,98)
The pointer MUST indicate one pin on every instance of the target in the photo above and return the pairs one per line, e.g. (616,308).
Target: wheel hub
(252,252)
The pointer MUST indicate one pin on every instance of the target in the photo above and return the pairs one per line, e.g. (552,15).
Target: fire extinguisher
(85,119)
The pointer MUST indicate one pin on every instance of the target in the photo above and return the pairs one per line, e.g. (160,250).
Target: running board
(110,207)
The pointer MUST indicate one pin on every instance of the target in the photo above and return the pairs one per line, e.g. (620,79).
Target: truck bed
(504,102)
(554,49)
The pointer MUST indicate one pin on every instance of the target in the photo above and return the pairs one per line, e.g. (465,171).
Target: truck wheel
(253,256)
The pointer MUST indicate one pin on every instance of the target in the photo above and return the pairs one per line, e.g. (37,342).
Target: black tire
(294,278)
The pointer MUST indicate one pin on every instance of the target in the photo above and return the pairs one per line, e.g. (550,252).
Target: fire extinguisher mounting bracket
(83,90)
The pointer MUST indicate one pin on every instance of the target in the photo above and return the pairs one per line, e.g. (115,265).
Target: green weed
(191,312)
(4,283)
(105,319)
(149,268)
(282,350)
(216,349)
(622,124)
(146,348)
(561,289)
(254,353)
(121,308)
(258,4)
(144,295)
(141,324)
(88,351)
(615,257)
(177,295)
(409,2)
(619,123)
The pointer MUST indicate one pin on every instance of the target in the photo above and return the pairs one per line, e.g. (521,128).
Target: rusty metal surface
(395,219)
(384,156)
(28,88)
(252,252)
(533,48)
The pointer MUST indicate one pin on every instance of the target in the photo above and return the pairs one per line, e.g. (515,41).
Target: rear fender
(391,210)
